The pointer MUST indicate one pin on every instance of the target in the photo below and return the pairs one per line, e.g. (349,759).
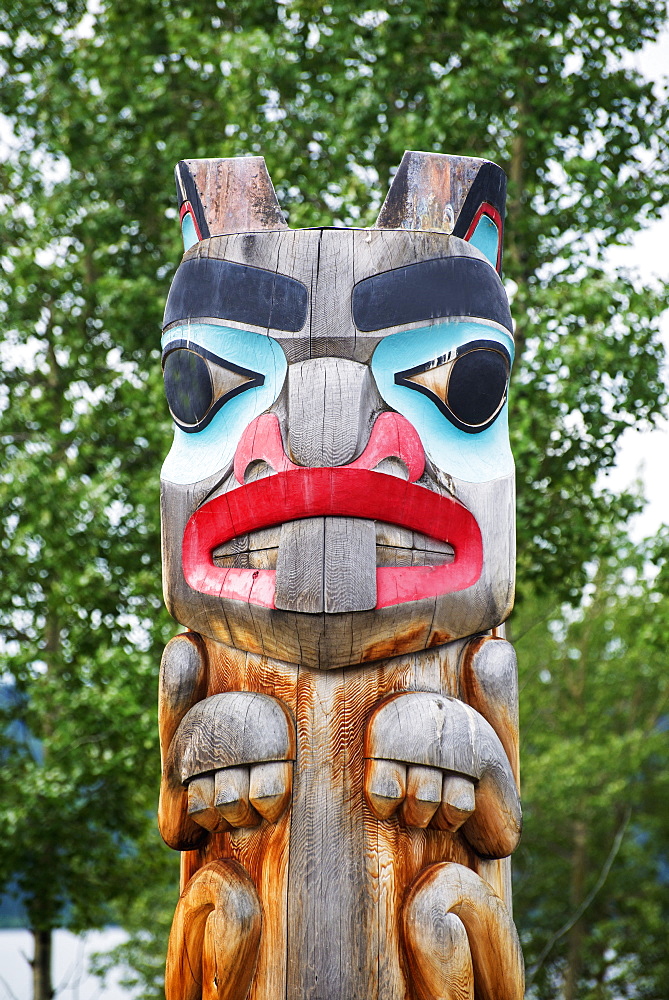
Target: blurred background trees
(101,100)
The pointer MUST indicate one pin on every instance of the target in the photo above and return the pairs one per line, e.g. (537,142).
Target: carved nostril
(261,444)
(257,470)
(393,467)
(393,440)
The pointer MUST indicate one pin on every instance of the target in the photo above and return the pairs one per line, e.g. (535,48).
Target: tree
(101,106)
(591,885)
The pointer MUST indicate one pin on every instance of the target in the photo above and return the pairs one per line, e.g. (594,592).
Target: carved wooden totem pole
(339,724)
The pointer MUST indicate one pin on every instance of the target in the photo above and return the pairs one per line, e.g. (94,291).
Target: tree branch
(603,875)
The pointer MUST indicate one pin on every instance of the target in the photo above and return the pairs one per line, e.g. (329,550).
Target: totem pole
(339,723)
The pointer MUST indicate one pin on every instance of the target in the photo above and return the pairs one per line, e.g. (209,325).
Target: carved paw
(240,796)
(424,794)
(440,762)
(234,753)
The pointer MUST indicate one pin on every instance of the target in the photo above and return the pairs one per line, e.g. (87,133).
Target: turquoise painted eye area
(468,385)
(450,380)
(217,380)
(198,384)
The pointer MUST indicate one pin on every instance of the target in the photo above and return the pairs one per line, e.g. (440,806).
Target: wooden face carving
(340,487)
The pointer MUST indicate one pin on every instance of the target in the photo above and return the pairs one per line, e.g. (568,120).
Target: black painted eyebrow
(206,286)
(448,286)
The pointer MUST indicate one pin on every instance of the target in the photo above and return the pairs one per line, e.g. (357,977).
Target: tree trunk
(575,939)
(41,965)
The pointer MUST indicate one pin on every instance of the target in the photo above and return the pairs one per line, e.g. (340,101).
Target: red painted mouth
(340,492)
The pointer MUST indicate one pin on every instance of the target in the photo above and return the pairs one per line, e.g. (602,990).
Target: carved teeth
(402,547)
(394,547)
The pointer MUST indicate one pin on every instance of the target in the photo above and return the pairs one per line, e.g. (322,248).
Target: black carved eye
(477,386)
(468,385)
(197,384)
(188,386)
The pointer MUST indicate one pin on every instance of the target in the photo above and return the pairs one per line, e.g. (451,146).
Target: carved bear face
(340,487)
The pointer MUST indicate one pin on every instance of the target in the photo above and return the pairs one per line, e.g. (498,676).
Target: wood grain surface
(428,192)
(213,946)
(339,726)
(332,871)
(437,949)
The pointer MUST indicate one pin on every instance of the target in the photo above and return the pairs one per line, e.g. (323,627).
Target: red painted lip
(338,491)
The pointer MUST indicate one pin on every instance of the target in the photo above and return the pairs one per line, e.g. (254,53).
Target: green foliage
(591,894)
(147,918)
(102,106)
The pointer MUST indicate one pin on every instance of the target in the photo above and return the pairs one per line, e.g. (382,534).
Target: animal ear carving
(230,195)
(459,195)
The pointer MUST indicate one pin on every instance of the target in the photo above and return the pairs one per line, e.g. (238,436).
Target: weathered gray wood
(359,253)
(439,952)
(387,555)
(331,329)
(183,682)
(235,546)
(230,729)
(270,788)
(436,951)
(327,900)
(423,728)
(491,599)
(350,564)
(423,795)
(393,536)
(201,804)
(327,564)
(342,709)
(331,871)
(300,566)
(263,558)
(458,802)
(319,641)
(377,250)
(428,192)
(330,411)
(439,732)
(258,549)
(231,797)
(489,683)
(213,947)
(385,784)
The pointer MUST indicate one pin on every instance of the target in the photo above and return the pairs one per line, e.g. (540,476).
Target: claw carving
(233,752)
(441,761)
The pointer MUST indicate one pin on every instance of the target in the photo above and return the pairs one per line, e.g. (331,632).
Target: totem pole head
(340,486)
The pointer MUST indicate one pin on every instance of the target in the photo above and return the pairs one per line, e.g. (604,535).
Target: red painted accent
(392,437)
(187,209)
(261,441)
(343,491)
(485,208)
